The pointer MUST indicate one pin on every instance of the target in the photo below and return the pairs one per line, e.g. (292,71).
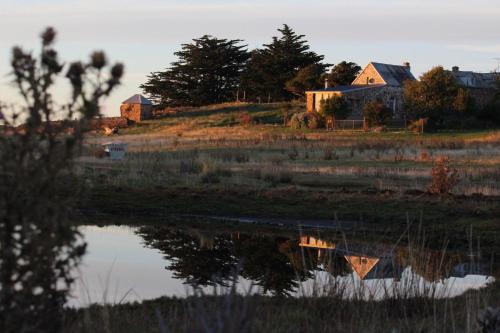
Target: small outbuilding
(137,108)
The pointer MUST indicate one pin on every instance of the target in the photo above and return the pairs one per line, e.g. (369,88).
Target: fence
(361,125)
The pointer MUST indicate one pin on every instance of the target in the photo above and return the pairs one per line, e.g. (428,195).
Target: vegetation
(444,177)
(39,246)
(270,68)
(343,74)
(207,72)
(438,97)
(307,78)
(377,113)
(335,106)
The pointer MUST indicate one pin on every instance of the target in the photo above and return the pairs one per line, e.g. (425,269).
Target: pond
(125,264)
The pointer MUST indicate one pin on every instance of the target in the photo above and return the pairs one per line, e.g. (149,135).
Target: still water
(126,264)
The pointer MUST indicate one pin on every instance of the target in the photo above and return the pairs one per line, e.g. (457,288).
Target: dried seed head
(98,59)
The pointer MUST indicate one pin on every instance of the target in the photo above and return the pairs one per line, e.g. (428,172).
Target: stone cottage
(481,86)
(376,80)
(136,108)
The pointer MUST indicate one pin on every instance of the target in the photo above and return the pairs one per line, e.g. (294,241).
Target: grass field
(212,146)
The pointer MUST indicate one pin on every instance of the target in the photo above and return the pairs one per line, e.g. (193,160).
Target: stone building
(481,86)
(136,108)
(376,81)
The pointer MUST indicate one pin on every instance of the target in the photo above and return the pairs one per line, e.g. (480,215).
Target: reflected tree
(189,259)
(267,261)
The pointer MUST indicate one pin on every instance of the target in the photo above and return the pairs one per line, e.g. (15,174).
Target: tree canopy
(436,96)
(307,78)
(343,74)
(279,62)
(207,71)
(335,106)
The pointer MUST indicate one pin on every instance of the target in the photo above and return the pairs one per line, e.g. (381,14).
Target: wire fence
(362,125)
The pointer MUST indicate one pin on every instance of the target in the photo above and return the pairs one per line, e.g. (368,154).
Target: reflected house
(370,267)
(308,241)
(364,265)
(470,268)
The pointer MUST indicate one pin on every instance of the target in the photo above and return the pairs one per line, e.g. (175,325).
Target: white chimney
(326,83)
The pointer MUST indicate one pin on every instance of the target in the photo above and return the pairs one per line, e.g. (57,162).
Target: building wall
(391,96)
(136,112)
(368,76)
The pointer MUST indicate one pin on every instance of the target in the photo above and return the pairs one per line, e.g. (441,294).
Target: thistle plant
(39,244)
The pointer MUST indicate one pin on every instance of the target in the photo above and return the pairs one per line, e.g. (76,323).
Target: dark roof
(476,80)
(393,75)
(348,88)
(137,99)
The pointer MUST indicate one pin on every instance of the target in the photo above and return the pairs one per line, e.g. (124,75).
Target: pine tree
(343,74)
(271,67)
(207,71)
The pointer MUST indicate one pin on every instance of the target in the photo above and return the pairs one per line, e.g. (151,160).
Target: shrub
(246,119)
(40,247)
(335,106)
(377,113)
(311,120)
(444,177)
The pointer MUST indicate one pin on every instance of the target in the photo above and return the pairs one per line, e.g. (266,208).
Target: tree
(335,106)
(436,97)
(39,246)
(279,62)
(491,111)
(207,72)
(307,78)
(376,112)
(343,74)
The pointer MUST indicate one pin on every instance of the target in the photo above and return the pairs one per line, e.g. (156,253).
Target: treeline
(210,70)
(438,98)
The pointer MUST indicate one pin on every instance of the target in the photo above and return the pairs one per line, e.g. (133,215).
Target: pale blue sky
(144,34)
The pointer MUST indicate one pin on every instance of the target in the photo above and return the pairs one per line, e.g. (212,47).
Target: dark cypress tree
(271,67)
(343,74)
(207,71)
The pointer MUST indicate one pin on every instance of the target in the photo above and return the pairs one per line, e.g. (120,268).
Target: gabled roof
(476,80)
(393,75)
(348,88)
(137,99)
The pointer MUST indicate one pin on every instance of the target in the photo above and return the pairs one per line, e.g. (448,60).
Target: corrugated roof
(348,88)
(476,80)
(393,75)
(137,99)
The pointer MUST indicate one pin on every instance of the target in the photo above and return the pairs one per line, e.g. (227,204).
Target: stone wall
(136,112)
(357,99)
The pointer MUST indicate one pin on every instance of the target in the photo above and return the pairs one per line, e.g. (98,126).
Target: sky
(145,34)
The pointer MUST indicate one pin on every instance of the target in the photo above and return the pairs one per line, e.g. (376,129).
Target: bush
(311,120)
(377,113)
(335,106)
(444,177)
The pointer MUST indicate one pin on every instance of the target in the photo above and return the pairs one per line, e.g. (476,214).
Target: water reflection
(163,259)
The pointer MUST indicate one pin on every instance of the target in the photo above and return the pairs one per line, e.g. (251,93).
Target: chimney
(326,83)
(455,69)
(407,65)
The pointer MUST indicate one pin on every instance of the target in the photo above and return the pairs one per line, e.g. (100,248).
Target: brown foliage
(444,177)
